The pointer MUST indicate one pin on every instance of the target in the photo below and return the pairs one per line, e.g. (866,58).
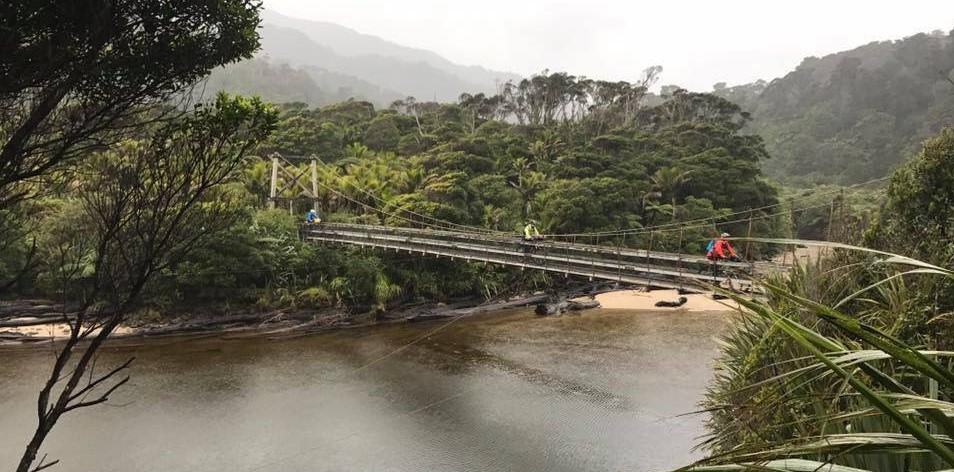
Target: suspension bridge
(558,254)
(616,264)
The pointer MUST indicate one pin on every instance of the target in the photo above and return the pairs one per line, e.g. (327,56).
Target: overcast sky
(698,42)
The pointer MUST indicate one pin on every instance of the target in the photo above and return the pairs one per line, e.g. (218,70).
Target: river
(605,390)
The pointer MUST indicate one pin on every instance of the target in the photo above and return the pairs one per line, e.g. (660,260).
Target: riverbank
(38,323)
(646,301)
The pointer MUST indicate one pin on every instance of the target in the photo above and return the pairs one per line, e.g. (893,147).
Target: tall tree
(668,181)
(146,207)
(74,75)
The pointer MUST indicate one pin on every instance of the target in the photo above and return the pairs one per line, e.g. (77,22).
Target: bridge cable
(645,229)
(667,227)
(473,229)
(375,209)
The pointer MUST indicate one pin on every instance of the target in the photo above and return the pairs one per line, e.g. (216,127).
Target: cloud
(698,42)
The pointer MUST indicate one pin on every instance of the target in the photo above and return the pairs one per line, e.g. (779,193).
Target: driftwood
(561,307)
(441,313)
(220,324)
(25,307)
(668,304)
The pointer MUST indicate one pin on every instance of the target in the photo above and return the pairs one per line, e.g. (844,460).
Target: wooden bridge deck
(623,265)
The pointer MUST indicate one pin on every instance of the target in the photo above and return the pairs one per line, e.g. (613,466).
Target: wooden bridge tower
(287,177)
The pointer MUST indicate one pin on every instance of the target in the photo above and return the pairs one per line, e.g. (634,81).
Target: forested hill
(278,82)
(852,116)
(343,63)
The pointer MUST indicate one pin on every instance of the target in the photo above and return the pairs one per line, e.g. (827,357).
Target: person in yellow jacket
(530,231)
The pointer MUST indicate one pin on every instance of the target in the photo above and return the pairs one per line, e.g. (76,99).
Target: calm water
(503,392)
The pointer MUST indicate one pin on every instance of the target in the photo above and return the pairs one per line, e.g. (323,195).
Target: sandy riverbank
(57,331)
(635,300)
(639,300)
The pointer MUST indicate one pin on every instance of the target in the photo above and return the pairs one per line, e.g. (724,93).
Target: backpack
(710,246)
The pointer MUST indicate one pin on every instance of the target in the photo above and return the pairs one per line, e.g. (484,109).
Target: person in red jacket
(722,250)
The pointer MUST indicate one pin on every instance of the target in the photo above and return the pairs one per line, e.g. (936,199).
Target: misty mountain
(278,82)
(350,43)
(320,63)
(854,115)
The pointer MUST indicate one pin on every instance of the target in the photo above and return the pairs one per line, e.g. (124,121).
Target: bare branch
(92,385)
(104,397)
(40,465)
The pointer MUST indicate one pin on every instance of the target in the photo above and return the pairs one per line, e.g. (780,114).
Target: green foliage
(826,371)
(74,74)
(918,217)
(593,158)
(834,354)
(853,116)
(382,134)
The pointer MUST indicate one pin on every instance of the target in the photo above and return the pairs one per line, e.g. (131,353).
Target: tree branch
(92,385)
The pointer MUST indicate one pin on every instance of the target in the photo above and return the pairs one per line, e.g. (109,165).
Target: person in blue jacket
(312,218)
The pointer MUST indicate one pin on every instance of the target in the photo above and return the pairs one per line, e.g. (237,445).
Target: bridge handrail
(583,266)
(588,248)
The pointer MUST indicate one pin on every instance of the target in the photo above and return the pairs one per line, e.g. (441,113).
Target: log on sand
(564,306)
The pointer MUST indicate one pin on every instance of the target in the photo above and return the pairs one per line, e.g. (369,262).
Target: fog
(698,42)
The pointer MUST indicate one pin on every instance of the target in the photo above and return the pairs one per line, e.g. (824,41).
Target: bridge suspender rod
(679,258)
(593,259)
(748,234)
(573,242)
(546,256)
(619,264)
(703,222)
(652,236)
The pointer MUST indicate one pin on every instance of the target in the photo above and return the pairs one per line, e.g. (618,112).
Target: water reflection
(600,391)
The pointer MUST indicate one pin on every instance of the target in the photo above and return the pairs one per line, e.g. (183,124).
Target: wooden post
(314,184)
(842,235)
(791,217)
(748,234)
(831,219)
(273,188)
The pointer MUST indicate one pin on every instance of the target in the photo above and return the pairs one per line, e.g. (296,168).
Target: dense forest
(577,155)
(852,116)
(844,118)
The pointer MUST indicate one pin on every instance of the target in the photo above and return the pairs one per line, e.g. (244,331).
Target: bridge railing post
(619,262)
(568,249)
(748,236)
(680,252)
(593,257)
(649,250)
